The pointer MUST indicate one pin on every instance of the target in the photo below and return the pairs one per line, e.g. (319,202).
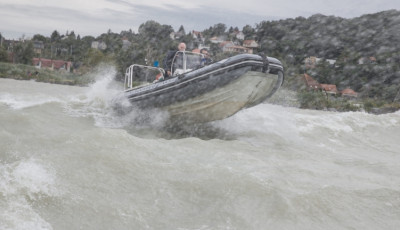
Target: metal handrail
(129,74)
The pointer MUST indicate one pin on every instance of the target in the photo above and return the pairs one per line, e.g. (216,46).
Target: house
(349,93)
(311,83)
(330,89)
(216,40)
(198,35)
(331,62)
(125,44)
(327,88)
(229,46)
(239,49)
(312,61)
(38,46)
(99,45)
(52,64)
(250,44)
(367,60)
(172,35)
(201,46)
(226,44)
(176,35)
(238,34)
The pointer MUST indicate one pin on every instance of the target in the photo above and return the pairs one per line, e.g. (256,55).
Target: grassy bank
(27,72)
(321,101)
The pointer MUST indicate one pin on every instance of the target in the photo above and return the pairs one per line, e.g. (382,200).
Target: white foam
(264,118)
(99,103)
(25,101)
(21,180)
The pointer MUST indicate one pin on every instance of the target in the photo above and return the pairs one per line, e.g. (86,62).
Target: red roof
(311,83)
(349,92)
(249,43)
(329,88)
(44,62)
(196,32)
(48,63)
(59,64)
(224,43)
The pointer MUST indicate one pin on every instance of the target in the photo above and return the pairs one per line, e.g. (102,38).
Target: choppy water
(67,161)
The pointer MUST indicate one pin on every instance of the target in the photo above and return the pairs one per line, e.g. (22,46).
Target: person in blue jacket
(206,59)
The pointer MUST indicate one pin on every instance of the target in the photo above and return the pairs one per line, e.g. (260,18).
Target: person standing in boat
(206,58)
(169,58)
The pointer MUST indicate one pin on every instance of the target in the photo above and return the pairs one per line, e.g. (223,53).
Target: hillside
(347,41)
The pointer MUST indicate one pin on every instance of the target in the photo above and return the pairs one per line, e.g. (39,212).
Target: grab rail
(130,72)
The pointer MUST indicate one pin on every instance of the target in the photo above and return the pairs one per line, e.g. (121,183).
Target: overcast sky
(94,17)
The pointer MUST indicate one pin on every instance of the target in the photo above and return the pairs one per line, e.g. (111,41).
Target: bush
(312,100)
(27,72)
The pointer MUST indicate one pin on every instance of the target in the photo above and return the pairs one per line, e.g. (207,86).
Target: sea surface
(68,160)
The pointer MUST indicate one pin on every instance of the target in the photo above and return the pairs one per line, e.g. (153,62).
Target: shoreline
(284,97)
(289,98)
(51,80)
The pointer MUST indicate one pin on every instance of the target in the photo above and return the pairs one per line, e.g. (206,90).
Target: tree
(38,37)
(94,57)
(154,31)
(55,36)
(182,30)
(72,35)
(24,52)
(248,32)
(219,29)
(3,55)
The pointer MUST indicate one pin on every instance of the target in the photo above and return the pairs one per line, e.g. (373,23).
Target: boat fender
(265,63)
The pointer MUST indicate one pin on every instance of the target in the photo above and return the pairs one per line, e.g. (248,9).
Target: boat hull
(247,90)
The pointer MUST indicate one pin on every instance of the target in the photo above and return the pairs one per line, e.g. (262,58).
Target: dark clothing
(167,62)
(206,61)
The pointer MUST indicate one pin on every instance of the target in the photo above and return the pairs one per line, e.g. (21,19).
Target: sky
(25,18)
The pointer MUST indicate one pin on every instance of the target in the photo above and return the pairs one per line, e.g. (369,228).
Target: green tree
(95,57)
(324,72)
(38,37)
(72,35)
(154,31)
(3,55)
(218,29)
(24,52)
(181,30)
(249,32)
(55,36)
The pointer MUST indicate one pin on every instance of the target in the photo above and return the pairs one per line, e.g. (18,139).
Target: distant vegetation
(290,40)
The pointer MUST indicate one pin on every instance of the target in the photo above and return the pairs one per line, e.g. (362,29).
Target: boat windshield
(185,62)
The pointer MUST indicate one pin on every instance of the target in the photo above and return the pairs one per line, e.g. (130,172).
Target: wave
(74,162)
(22,184)
(98,102)
(18,102)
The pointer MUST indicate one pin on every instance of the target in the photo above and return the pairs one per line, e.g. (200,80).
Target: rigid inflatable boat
(197,93)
